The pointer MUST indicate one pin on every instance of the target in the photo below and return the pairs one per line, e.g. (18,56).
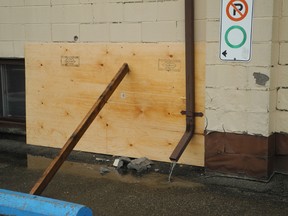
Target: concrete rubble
(138,164)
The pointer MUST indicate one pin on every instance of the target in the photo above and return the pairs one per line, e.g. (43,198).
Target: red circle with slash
(242,15)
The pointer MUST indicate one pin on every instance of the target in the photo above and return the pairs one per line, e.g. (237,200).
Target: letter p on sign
(236,30)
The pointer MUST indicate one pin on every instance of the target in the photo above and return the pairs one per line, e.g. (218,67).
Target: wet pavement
(149,193)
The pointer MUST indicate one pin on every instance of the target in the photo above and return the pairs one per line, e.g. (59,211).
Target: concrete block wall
(90,21)
(281,70)
(240,95)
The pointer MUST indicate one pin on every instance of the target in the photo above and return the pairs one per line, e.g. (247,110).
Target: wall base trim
(244,155)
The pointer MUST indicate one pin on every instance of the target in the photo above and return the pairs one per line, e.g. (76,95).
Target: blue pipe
(15,203)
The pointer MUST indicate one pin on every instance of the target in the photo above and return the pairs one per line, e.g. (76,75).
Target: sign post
(236,30)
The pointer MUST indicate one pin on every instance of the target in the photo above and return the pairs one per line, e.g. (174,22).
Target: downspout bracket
(190,114)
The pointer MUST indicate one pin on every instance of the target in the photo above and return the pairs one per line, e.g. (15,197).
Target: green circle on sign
(236,45)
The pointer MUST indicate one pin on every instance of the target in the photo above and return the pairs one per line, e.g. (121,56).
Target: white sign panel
(236,30)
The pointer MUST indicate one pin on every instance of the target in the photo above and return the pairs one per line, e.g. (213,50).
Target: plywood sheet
(142,118)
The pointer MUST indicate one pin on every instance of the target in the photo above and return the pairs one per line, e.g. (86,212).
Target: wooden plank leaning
(52,169)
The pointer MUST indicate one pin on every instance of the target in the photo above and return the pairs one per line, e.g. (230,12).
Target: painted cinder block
(258,123)
(283,58)
(213,10)
(27,14)
(159,31)
(237,122)
(38,14)
(100,1)
(264,8)
(228,76)
(180,32)
(38,32)
(261,54)
(237,100)
(285,8)
(94,32)
(37,2)
(226,121)
(200,13)
(72,14)
(5,15)
(14,32)
(283,30)
(12,2)
(282,121)
(64,2)
(213,27)
(18,49)
(125,32)
(261,34)
(108,12)
(275,30)
(282,76)
(18,15)
(282,99)
(275,54)
(65,32)
(171,10)
(137,12)
(272,100)
(6,49)
(200,30)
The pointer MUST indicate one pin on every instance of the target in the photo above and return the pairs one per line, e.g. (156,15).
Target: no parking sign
(236,30)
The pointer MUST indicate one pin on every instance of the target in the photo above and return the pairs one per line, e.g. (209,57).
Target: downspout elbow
(184,141)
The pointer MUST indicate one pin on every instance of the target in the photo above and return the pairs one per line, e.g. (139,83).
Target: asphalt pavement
(124,192)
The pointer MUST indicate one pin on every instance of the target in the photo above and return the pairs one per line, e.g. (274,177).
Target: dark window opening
(12,90)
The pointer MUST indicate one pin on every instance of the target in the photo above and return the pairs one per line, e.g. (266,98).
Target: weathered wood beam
(55,165)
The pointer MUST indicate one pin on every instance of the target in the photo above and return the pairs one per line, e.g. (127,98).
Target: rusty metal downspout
(190,82)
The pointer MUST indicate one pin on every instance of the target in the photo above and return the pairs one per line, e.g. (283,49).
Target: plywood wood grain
(142,118)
